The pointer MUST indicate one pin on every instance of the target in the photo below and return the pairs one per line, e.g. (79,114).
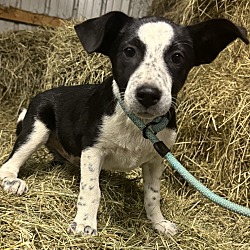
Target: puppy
(85,125)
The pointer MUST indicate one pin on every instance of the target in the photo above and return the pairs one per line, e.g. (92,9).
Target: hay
(213,143)
(33,61)
(192,11)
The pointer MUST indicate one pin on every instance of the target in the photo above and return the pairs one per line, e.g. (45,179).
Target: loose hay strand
(213,143)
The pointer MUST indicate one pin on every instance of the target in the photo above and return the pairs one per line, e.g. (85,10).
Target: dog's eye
(177,58)
(129,52)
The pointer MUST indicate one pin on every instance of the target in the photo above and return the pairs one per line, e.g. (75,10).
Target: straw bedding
(213,143)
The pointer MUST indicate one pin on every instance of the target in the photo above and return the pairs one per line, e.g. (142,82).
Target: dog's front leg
(85,221)
(152,180)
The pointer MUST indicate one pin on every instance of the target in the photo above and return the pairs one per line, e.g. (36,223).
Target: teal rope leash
(149,132)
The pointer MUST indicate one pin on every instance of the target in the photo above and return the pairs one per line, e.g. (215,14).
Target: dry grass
(192,11)
(32,61)
(213,143)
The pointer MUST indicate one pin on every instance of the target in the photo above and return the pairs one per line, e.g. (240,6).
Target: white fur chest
(123,144)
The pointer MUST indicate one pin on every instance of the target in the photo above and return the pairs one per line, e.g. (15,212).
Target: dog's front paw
(87,230)
(166,227)
(14,185)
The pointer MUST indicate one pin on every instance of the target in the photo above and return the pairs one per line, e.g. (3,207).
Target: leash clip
(161,148)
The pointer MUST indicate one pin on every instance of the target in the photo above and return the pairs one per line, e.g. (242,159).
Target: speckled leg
(152,178)
(85,221)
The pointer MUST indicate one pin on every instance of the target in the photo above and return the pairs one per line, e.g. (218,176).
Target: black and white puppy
(85,125)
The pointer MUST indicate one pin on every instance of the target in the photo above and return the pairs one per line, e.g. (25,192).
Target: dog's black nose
(148,96)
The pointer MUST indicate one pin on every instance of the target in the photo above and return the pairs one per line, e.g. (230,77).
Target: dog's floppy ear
(97,34)
(211,37)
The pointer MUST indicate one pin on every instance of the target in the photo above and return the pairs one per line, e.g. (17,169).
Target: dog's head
(151,56)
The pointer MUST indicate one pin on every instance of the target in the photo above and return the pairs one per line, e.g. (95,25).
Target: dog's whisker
(174,105)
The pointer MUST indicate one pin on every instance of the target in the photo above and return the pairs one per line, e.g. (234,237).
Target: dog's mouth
(146,115)
(149,113)
(159,109)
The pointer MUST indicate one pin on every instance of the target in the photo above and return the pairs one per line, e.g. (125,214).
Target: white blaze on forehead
(153,70)
(155,34)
